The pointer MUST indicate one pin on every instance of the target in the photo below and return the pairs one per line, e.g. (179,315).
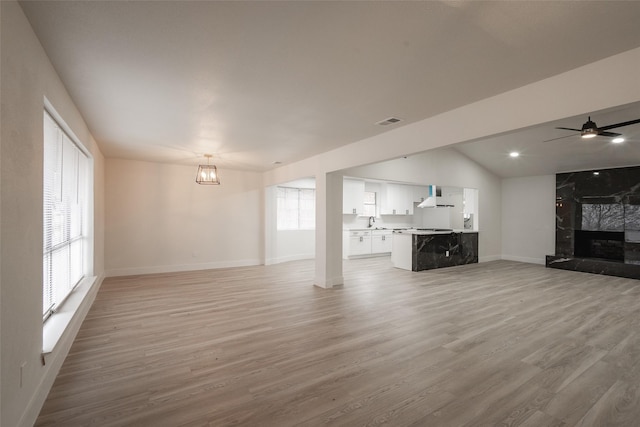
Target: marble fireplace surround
(598,222)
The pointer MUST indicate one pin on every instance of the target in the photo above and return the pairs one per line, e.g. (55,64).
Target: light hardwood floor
(498,343)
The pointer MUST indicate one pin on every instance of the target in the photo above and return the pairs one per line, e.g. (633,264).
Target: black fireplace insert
(607,245)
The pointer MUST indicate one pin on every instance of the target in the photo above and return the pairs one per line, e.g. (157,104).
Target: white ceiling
(570,152)
(258,82)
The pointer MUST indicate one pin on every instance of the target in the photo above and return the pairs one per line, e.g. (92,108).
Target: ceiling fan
(590,129)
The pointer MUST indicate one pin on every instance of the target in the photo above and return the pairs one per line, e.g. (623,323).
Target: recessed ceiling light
(514,154)
(617,140)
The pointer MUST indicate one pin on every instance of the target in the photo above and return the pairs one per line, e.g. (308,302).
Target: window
(369,203)
(65,209)
(296,208)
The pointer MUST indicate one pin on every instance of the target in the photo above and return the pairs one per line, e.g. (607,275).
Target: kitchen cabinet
(352,196)
(402,251)
(425,250)
(363,243)
(397,199)
(356,243)
(445,250)
(381,241)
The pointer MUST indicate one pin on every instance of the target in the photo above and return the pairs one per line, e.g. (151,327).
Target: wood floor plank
(619,406)
(497,343)
(540,419)
(577,398)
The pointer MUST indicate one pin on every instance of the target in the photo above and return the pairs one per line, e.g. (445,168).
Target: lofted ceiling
(566,152)
(255,83)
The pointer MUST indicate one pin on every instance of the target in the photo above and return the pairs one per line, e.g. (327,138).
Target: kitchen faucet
(371,221)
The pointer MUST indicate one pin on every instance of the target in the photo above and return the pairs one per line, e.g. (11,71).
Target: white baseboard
(376,255)
(333,282)
(296,257)
(528,260)
(489,258)
(134,271)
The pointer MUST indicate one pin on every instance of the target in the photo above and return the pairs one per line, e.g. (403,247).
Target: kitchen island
(425,249)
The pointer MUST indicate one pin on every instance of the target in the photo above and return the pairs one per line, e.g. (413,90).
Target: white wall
(158,219)
(436,217)
(447,167)
(27,77)
(295,245)
(528,218)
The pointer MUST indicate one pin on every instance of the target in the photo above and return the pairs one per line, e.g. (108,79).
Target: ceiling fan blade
(562,137)
(575,130)
(611,134)
(619,125)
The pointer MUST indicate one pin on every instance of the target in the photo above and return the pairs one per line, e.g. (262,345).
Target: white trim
(55,326)
(296,257)
(335,282)
(372,255)
(134,271)
(489,258)
(528,260)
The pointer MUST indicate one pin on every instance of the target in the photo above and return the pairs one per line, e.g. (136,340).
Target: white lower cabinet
(362,243)
(359,243)
(381,242)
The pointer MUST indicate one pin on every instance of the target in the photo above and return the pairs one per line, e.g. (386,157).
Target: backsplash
(421,218)
(383,221)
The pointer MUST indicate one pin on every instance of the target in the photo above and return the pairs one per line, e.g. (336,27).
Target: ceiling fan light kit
(591,130)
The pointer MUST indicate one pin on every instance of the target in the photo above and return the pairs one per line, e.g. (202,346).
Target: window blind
(65,173)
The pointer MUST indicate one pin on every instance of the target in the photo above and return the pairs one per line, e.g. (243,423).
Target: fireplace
(607,245)
(598,222)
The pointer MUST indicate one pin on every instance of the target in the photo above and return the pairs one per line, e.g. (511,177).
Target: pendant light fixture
(207,174)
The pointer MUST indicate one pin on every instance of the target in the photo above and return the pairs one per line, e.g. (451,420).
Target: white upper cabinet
(352,196)
(397,199)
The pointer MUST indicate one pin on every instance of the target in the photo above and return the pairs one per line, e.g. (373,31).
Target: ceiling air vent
(389,121)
